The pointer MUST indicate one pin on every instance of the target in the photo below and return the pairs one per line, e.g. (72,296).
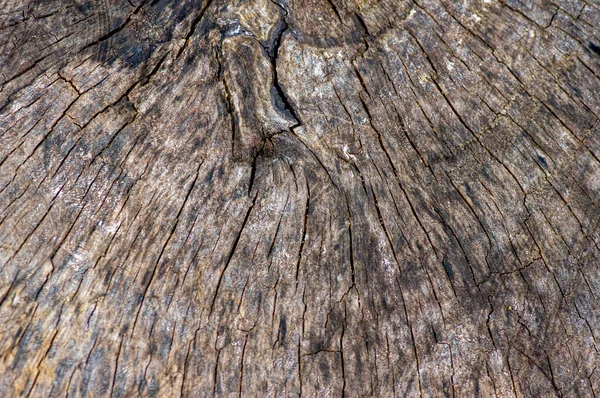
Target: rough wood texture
(302,197)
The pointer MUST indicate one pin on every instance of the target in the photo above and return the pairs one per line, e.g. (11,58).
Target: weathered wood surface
(271,198)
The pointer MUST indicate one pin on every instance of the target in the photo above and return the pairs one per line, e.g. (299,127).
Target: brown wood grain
(299,197)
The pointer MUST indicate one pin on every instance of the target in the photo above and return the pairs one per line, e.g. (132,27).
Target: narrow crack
(272,51)
(228,98)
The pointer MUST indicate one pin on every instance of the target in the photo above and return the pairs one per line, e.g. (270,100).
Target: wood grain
(299,197)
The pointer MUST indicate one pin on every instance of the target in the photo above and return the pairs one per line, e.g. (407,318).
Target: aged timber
(284,198)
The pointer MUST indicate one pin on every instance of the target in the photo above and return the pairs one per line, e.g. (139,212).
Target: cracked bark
(286,198)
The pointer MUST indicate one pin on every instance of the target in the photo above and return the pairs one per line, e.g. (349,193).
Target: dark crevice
(228,99)
(362,24)
(154,70)
(277,231)
(335,10)
(252,174)
(230,255)
(366,34)
(595,48)
(304,228)
(272,51)
(193,27)
(351,246)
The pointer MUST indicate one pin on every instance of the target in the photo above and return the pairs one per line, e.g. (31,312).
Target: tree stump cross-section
(299,198)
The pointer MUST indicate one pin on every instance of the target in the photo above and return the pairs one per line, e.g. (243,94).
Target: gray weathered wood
(283,198)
